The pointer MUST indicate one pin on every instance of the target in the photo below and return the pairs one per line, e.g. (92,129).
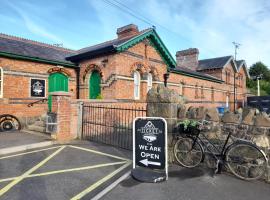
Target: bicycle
(243,158)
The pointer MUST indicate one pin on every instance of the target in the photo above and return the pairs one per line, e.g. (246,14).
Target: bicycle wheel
(246,161)
(188,153)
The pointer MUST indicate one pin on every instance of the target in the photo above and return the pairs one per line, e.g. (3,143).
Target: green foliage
(260,68)
(187,123)
(255,70)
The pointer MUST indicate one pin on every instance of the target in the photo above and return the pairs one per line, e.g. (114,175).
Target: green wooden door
(94,85)
(57,82)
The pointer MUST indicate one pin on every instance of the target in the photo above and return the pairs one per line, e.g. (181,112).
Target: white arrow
(146,162)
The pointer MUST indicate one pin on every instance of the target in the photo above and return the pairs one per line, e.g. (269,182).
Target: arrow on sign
(146,162)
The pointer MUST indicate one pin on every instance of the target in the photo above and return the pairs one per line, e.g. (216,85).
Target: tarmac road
(191,184)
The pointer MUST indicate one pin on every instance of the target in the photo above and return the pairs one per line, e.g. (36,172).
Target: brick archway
(138,66)
(59,70)
(89,69)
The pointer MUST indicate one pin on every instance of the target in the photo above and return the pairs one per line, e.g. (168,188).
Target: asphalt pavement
(191,184)
(73,171)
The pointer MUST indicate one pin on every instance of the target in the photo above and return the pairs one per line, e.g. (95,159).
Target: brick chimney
(127,31)
(188,58)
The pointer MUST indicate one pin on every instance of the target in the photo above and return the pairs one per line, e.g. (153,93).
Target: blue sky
(210,25)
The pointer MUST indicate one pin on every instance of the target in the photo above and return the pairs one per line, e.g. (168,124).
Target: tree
(260,68)
(255,70)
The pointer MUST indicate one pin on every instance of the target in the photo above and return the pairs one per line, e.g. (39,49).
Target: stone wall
(248,124)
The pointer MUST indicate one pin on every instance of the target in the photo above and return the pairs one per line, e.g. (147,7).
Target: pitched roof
(196,74)
(20,47)
(119,45)
(213,63)
(240,64)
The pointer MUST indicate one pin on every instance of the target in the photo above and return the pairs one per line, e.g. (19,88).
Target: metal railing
(110,124)
(37,102)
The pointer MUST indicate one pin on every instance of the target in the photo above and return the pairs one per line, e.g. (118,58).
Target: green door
(57,82)
(94,85)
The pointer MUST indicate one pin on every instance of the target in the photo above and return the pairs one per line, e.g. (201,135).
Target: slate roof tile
(25,47)
(213,63)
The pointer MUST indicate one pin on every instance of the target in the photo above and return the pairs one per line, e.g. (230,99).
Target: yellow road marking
(66,170)
(27,173)
(101,181)
(98,152)
(76,169)
(29,152)
(8,179)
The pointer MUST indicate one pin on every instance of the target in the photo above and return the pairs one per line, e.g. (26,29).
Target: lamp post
(258,78)
(166,77)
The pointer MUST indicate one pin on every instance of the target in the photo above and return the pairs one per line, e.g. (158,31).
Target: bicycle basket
(189,130)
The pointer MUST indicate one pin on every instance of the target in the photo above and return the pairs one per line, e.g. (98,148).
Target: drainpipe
(77,70)
(234,91)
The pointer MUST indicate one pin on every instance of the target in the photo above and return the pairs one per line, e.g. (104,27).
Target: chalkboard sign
(37,88)
(150,143)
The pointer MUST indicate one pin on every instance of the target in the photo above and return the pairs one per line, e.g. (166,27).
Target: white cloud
(34,27)
(213,25)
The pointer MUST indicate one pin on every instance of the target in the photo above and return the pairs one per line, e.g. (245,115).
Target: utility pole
(236,47)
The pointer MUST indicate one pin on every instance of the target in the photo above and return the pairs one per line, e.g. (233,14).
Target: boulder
(261,141)
(262,120)
(200,113)
(191,113)
(164,102)
(248,116)
(211,114)
(230,117)
(182,110)
(162,94)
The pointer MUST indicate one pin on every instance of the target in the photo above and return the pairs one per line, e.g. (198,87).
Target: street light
(258,78)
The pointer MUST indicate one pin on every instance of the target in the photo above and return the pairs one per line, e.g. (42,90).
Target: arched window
(149,81)
(137,80)
(1,82)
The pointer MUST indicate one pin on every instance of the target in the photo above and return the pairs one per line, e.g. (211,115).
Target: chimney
(127,31)
(188,58)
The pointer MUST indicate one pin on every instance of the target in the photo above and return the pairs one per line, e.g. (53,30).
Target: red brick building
(122,69)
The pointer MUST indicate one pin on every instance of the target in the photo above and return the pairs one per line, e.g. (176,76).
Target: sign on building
(37,87)
(150,149)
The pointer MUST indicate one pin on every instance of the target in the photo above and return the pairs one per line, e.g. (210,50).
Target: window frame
(149,81)
(1,82)
(137,85)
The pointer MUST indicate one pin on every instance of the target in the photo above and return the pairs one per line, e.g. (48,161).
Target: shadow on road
(185,173)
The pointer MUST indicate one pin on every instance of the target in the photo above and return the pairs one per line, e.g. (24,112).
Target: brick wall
(16,94)
(118,83)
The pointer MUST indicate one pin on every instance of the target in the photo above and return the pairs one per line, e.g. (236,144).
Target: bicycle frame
(205,145)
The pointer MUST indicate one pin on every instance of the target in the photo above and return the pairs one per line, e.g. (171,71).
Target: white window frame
(149,82)
(1,82)
(137,85)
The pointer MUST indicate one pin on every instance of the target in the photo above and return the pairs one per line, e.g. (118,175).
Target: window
(149,81)
(137,79)
(1,82)
(181,88)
